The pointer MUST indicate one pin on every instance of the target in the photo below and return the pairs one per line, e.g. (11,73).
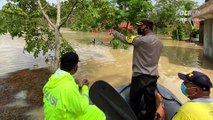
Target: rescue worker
(146,55)
(196,86)
(62,98)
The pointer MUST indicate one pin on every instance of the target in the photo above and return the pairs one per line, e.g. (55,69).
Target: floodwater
(101,62)
(13,57)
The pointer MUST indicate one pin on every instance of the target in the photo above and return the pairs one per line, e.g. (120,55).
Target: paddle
(109,100)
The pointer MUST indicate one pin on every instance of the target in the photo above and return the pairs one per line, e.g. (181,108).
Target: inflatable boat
(171,103)
(115,102)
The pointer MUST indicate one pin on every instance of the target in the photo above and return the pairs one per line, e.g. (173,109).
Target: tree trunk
(56,27)
(57,49)
(57,36)
(178,35)
(127,25)
(190,37)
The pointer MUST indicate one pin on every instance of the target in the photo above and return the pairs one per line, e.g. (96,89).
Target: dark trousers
(143,85)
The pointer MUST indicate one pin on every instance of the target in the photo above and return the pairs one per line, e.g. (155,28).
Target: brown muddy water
(100,62)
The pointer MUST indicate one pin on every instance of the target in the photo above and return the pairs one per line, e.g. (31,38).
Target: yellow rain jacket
(63,101)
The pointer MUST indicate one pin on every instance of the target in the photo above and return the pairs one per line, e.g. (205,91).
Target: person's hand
(85,82)
(111,31)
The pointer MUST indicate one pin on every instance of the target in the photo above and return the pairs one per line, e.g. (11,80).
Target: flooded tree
(39,24)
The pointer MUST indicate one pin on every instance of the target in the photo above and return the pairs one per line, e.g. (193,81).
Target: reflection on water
(36,114)
(183,56)
(12,57)
(20,100)
(100,62)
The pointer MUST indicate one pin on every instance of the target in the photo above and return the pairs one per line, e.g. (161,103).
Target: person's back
(147,51)
(146,55)
(195,110)
(63,101)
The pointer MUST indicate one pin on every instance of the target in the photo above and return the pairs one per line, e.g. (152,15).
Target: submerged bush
(179,33)
(125,46)
(115,43)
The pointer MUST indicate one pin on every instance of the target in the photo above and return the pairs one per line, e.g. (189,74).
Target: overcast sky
(2,2)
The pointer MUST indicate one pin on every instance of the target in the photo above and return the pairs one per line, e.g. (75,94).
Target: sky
(3,2)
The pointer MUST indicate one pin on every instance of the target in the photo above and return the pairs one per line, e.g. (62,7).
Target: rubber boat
(169,103)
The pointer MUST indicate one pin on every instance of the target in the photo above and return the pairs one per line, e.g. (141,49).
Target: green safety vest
(63,101)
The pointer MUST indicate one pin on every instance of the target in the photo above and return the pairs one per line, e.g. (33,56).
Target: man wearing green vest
(196,86)
(62,98)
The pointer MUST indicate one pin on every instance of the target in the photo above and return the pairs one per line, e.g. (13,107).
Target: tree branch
(45,15)
(52,28)
(58,13)
(70,12)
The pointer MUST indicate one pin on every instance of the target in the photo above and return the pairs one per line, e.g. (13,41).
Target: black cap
(148,23)
(197,78)
(69,59)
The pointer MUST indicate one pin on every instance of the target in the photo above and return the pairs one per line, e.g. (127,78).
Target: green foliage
(191,30)
(125,46)
(93,15)
(40,41)
(178,33)
(131,10)
(23,18)
(103,14)
(166,12)
(174,34)
(65,47)
(197,31)
(12,20)
(194,29)
(115,43)
(163,31)
(99,15)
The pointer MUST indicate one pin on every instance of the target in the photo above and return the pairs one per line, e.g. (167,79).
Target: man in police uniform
(196,86)
(62,99)
(146,55)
